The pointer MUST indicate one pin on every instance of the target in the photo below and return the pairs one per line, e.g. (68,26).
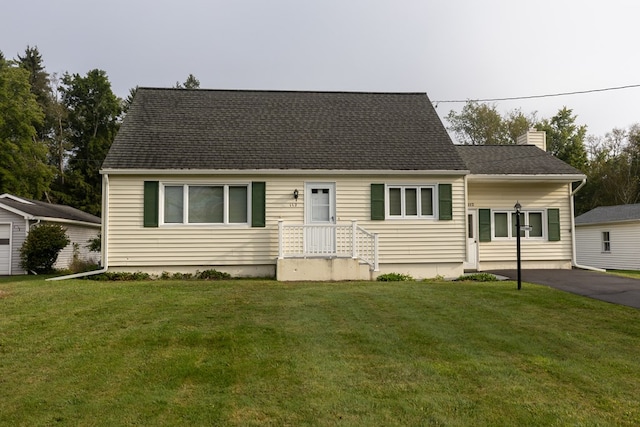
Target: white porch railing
(328,241)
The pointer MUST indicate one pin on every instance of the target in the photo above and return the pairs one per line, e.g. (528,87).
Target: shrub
(121,276)
(479,277)
(212,275)
(41,248)
(394,277)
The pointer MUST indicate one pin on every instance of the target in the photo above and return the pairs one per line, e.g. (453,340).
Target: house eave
(613,222)
(314,172)
(526,177)
(66,221)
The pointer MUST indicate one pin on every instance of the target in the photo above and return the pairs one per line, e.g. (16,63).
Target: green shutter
(377,201)
(258,196)
(484,225)
(151,199)
(445,202)
(553,223)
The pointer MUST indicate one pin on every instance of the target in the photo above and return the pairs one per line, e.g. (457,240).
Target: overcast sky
(450,49)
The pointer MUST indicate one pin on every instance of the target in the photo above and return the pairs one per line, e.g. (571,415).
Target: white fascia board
(601,223)
(278,172)
(67,221)
(16,211)
(526,177)
(15,198)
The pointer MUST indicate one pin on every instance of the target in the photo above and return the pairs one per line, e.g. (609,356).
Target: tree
(565,139)
(126,104)
(39,82)
(190,83)
(23,162)
(93,120)
(482,124)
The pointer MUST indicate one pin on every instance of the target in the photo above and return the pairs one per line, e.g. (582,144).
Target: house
(320,186)
(18,215)
(607,237)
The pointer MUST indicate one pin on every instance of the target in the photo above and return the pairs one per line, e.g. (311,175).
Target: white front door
(5,249)
(320,208)
(471,262)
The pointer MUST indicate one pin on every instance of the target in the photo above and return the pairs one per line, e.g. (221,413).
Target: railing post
(376,267)
(280,235)
(354,252)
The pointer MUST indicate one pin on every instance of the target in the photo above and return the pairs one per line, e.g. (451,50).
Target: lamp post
(517,207)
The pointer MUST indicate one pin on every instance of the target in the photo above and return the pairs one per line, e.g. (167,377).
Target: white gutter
(103,243)
(574,261)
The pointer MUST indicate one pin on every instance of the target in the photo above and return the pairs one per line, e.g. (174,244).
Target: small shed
(18,215)
(608,237)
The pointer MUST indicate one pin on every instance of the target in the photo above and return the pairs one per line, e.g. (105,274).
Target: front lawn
(266,353)
(634,274)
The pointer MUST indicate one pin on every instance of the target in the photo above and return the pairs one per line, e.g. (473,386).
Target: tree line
(56,130)
(611,163)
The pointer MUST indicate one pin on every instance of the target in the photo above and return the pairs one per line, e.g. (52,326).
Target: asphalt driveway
(592,284)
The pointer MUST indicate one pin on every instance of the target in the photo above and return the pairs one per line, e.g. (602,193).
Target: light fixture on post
(517,207)
(295,194)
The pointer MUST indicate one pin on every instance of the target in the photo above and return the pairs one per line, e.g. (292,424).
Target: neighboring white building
(322,186)
(18,215)
(609,237)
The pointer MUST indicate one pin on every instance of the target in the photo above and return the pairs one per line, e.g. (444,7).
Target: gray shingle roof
(605,214)
(221,129)
(512,159)
(49,210)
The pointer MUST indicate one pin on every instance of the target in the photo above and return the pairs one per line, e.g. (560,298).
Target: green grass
(634,274)
(330,354)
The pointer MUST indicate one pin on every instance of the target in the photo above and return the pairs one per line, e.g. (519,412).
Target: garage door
(5,248)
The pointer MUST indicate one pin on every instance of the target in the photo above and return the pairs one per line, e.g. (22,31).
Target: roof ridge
(337,92)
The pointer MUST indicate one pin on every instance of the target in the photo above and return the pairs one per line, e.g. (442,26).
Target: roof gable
(33,209)
(269,130)
(606,214)
(513,160)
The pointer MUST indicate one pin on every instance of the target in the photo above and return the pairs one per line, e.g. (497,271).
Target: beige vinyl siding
(532,196)
(624,238)
(401,241)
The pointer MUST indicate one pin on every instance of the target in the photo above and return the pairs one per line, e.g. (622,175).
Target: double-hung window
(606,242)
(411,201)
(531,224)
(205,204)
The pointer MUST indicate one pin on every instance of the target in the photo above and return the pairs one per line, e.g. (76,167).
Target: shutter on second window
(377,201)
(151,196)
(553,223)
(484,225)
(258,197)
(445,202)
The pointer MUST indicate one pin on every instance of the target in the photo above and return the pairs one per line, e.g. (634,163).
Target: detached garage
(18,215)
(608,236)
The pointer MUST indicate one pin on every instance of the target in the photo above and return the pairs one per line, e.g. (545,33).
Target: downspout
(574,260)
(28,230)
(103,243)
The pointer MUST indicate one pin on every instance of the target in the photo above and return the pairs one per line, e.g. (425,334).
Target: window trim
(185,213)
(606,243)
(524,221)
(403,206)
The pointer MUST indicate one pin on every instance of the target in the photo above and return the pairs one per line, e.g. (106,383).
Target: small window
(531,225)
(411,201)
(606,242)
